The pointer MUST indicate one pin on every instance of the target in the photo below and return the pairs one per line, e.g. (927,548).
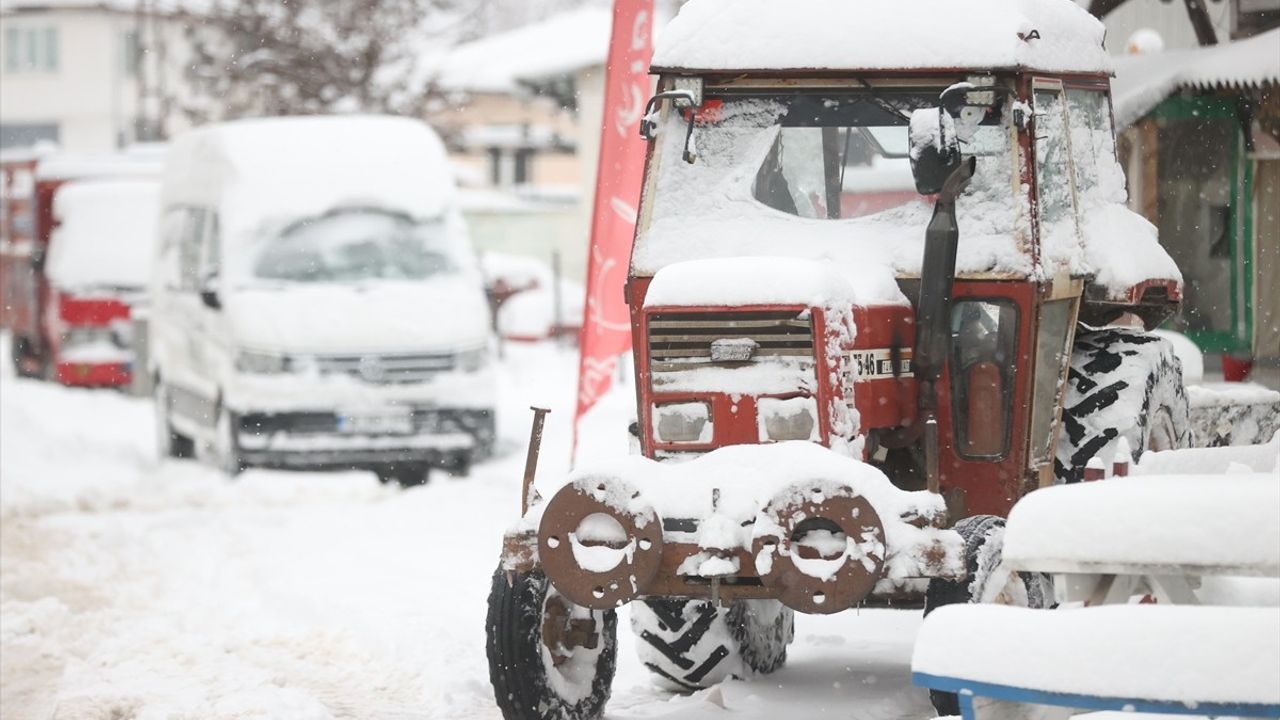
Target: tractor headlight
(791,419)
(260,363)
(684,422)
(474,359)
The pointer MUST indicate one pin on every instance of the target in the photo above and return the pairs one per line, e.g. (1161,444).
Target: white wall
(90,96)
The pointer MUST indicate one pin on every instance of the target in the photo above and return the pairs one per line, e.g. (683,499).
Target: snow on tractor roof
(850,35)
(300,166)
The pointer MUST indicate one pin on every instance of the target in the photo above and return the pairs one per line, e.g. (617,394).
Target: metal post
(529,494)
(557,316)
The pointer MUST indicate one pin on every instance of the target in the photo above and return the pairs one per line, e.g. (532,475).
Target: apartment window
(130,53)
(31,49)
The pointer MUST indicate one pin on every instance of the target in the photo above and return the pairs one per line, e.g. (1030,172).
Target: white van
(316,302)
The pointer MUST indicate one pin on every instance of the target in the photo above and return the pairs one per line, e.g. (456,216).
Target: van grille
(682,340)
(388,369)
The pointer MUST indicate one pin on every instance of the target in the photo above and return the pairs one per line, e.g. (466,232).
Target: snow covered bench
(1003,660)
(1150,534)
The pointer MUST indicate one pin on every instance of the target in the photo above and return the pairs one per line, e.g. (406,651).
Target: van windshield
(356,245)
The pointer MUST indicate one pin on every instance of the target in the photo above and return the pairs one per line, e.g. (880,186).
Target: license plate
(381,422)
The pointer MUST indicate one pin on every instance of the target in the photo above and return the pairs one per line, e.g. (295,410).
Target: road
(140,589)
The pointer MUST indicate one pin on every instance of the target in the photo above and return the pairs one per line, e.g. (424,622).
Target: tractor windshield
(824,174)
(846,157)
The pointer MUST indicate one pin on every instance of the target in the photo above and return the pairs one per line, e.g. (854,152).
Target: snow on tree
(306,57)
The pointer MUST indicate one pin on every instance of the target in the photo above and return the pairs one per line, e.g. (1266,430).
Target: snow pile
(1051,35)
(106,234)
(1122,248)
(530,314)
(1177,523)
(754,281)
(1211,461)
(1150,652)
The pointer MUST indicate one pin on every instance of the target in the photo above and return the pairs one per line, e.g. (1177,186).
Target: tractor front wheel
(548,658)
(692,644)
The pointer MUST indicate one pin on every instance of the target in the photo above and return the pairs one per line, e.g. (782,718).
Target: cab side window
(169,261)
(211,253)
(1055,181)
(190,246)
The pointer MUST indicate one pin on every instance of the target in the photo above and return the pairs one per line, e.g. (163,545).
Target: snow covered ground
(131,588)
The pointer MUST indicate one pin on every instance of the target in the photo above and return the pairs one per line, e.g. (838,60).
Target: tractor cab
(780,256)
(875,239)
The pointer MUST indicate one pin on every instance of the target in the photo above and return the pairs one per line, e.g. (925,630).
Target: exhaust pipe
(933,310)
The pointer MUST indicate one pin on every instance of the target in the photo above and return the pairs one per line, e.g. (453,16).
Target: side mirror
(935,149)
(209,292)
(39,256)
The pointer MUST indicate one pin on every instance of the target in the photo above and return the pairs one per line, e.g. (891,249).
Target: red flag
(606,324)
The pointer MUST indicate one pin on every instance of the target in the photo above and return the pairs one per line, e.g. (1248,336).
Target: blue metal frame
(967,690)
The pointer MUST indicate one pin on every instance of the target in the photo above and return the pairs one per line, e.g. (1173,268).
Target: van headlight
(683,422)
(474,359)
(260,363)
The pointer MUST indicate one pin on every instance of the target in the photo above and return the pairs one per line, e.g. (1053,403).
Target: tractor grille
(387,369)
(682,340)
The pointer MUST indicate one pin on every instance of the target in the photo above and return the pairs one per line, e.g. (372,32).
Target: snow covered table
(1003,660)
(1151,534)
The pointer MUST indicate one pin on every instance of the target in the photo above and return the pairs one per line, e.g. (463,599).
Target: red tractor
(881,255)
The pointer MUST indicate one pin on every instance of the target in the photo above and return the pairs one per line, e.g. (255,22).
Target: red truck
(71,292)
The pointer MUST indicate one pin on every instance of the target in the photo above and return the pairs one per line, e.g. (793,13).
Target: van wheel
(226,446)
(404,474)
(169,442)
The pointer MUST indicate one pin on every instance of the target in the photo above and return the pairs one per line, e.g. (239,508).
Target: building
(1199,138)
(91,76)
(521,113)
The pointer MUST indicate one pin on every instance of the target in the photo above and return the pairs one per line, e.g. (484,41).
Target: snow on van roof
(106,233)
(300,166)
(65,166)
(767,35)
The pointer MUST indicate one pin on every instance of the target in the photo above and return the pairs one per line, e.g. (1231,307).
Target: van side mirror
(935,149)
(39,255)
(209,292)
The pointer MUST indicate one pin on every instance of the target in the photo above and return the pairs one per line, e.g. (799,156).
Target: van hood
(442,314)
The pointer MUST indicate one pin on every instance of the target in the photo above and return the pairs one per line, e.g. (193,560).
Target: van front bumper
(439,436)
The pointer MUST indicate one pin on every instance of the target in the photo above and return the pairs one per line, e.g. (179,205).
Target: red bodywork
(883,403)
(41,315)
(17,232)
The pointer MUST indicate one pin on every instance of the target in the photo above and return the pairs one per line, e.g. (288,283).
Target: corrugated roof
(1143,81)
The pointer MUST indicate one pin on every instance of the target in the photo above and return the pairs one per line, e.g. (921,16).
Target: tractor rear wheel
(692,644)
(986,580)
(548,658)
(1123,383)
